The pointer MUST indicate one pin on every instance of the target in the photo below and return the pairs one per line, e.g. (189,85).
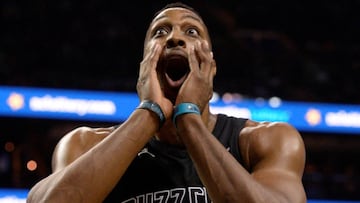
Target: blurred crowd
(305,51)
(294,50)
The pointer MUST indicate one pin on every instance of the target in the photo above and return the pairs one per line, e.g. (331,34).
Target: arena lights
(31,165)
(116,107)
(305,116)
(65,104)
(9,147)
(13,195)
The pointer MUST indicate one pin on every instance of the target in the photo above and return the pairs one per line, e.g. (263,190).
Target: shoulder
(258,131)
(75,143)
(273,141)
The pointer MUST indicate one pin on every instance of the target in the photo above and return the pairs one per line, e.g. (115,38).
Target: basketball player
(172,148)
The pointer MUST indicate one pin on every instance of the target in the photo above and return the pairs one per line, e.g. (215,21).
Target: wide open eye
(192,32)
(161,31)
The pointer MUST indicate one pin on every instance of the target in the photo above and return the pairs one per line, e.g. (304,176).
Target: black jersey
(165,173)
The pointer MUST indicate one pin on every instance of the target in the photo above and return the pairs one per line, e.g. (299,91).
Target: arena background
(294,50)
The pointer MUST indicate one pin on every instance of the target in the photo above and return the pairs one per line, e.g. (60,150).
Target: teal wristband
(154,107)
(185,108)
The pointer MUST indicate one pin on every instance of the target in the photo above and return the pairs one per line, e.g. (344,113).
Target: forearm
(225,179)
(93,175)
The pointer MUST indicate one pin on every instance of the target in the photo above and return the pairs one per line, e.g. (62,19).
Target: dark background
(296,50)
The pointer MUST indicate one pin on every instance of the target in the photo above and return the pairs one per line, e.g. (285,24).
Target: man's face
(176,30)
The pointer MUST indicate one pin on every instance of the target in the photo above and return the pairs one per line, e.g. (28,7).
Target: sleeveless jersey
(165,173)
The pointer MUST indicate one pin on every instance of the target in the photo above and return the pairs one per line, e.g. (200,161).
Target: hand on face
(148,86)
(198,87)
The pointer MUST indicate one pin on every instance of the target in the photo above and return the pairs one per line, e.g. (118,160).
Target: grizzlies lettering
(176,195)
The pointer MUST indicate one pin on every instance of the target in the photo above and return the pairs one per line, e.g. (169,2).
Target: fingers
(150,60)
(155,54)
(202,52)
(201,59)
(147,74)
(152,54)
(193,62)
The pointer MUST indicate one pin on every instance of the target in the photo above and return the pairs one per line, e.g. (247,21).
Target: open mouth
(176,69)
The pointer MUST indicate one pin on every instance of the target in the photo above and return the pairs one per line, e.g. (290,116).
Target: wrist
(185,108)
(155,108)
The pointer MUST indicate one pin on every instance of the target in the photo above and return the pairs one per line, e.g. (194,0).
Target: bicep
(279,155)
(280,147)
(286,184)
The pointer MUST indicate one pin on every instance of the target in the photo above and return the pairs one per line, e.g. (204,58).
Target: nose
(175,40)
